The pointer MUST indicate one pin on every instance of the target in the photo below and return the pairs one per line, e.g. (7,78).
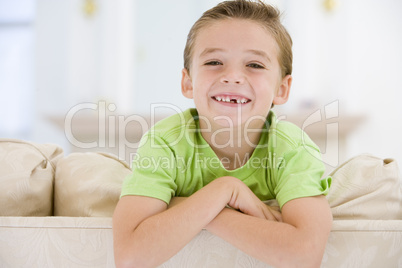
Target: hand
(267,212)
(244,200)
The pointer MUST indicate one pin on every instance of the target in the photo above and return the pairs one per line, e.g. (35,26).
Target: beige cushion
(366,187)
(88,184)
(27,177)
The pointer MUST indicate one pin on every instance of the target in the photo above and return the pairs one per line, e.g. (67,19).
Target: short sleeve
(154,170)
(299,175)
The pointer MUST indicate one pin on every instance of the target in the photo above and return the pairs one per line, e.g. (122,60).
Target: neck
(232,144)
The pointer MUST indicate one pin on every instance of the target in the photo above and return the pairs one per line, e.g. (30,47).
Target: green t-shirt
(173,159)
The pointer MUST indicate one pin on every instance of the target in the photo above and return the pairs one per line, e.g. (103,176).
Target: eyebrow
(210,50)
(259,53)
(252,51)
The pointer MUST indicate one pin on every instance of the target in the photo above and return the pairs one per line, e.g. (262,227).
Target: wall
(82,56)
(351,55)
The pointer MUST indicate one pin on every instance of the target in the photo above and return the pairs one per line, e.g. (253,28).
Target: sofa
(55,211)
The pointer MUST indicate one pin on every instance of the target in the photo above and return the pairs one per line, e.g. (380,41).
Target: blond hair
(257,11)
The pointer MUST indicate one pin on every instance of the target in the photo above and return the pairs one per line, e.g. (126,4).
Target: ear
(186,84)
(282,95)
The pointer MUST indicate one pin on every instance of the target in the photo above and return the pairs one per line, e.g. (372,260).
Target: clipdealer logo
(111,128)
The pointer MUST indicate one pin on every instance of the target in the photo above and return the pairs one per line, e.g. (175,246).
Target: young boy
(212,167)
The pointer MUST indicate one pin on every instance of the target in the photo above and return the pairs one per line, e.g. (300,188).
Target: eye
(213,63)
(255,65)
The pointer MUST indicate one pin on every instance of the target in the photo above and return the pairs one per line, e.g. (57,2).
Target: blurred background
(102,68)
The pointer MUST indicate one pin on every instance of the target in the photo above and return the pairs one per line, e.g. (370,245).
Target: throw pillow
(27,177)
(88,184)
(366,187)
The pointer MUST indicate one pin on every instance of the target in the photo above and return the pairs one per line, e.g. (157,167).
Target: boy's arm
(298,241)
(146,233)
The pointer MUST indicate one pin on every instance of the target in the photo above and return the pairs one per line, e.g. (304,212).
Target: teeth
(229,100)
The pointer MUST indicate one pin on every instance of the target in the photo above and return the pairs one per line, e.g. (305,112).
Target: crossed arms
(147,232)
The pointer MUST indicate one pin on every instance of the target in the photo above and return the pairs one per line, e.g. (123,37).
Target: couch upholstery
(55,211)
(27,177)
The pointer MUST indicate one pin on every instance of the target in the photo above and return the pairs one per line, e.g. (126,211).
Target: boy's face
(235,75)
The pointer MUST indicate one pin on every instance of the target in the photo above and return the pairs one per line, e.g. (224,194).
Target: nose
(232,76)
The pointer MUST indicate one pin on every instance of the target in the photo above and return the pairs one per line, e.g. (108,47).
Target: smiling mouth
(231,99)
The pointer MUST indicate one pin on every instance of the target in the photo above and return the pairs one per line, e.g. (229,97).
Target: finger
(277,215)
(268,214)
(273,215)
(259,213)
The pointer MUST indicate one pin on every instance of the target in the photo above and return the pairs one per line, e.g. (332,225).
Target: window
(16,68)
